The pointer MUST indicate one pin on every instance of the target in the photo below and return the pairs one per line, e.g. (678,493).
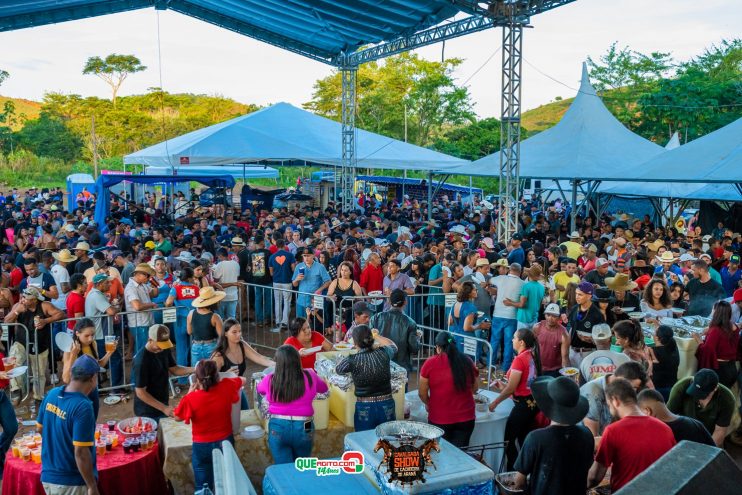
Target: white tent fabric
(588,143)
(236,171)
(284,132)
(674,142)
(715,157)
(675,190)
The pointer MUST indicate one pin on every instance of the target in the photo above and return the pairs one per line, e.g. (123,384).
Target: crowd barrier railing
(25,355)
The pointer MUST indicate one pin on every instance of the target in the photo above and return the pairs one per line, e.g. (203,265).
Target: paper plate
(312,350)
(63,341)
(112,400)
(376,295)
(638,315)
(17,371)
(343,347)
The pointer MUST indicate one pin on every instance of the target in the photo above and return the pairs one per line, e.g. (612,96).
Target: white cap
(601,331)
(552,309)
(601,262)
(687,257)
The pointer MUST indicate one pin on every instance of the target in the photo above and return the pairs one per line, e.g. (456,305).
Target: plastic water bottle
(205,490)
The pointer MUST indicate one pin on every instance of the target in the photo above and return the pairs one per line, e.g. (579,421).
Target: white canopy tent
(239,172)
(283,132)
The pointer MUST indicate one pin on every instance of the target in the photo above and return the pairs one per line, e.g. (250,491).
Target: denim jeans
(182,344)
(263,304)
(203,466)
(141,335)
(369,415)
(282,302)
(228,309)
(10,426)
(289,440)
(201,351)
(115,364)
(503,330)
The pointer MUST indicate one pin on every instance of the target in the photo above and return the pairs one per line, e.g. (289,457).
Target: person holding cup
(309,278)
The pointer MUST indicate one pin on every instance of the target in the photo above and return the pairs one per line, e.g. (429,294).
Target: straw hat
(501,262)
(574,235)
(535,272)
(82,246)
(620,282)
(144,268)
(207,297)
(237,241)
(667,257)
(64,256)
(655,245)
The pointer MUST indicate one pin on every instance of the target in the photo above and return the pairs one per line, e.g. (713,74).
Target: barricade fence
(21,356)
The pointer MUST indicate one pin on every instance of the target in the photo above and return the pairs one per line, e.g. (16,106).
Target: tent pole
(573,203)
(430,195)
(405,170)
(471,195)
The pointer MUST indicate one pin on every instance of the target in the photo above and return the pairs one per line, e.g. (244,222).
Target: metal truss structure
(349,131)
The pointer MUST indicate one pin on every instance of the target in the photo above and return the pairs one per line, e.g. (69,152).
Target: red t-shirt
(631,445)
(447,405)
(16,277)
(75,304)
(3,383)
(210,412)
(307,361)
(372,278)
(523,362)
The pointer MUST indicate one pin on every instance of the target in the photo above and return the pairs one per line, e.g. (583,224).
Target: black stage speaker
(690,468)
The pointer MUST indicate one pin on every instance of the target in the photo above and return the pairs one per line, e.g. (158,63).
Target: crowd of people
(545,301)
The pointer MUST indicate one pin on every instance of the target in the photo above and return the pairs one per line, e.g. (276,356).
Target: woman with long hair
(351,256)
(667,360)
(525,368)
(232,354)
(305,340)
(208,408)
(342,290)
(204,324)
(324,260)
(182,294)
(23,239)
(290,391)
(717,350)
(656,302)
(456,272)
(630,337)
(370,370)
(463,314)
(83,342)
(677,296)
(447,381)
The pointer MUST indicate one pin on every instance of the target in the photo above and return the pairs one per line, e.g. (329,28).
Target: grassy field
(24,110)
(545,116)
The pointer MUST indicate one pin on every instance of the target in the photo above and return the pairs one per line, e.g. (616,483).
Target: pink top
(301,406)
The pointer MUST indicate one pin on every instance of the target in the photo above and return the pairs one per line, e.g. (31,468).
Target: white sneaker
(276,330)
(54,380)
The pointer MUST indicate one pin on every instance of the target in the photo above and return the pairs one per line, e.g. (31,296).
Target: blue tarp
(104,182)
(284,132)
(445,187)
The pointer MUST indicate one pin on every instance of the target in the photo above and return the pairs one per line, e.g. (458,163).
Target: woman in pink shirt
(290,391)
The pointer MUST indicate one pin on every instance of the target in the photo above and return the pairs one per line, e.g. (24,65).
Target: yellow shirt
(561,278)
(574,249)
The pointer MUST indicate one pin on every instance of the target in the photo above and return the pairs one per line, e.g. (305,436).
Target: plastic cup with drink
(110,343)
(9,363)
(26,454)
(100,447)
(36,456)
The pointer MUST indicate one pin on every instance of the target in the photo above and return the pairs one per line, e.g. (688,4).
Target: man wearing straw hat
(138,298)
(558,458)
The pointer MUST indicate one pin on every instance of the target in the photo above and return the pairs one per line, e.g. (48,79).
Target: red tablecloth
(118,473)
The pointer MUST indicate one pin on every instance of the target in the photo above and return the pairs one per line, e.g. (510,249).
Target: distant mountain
(545,116)
(28,108)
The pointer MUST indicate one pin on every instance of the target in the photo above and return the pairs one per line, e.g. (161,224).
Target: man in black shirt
(558,457)
(152,367)
(653,404)
(703,292)
(259,274)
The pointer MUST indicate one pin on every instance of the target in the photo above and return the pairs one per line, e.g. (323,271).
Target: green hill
(545,116)
(24,110)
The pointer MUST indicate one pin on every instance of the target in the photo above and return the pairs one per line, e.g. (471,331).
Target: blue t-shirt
(281,262)
(730,282)
(436,271)
(534,293)
(44,280)
(457,323)
(314,277)
(517,255)
(67,421)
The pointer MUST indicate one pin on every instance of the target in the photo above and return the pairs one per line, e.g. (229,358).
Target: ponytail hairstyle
(666,337)
(462,368)
(529,338)
(207,374)
(630,330)
(363,337)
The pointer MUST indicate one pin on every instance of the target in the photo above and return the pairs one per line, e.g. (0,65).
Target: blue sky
(200,58)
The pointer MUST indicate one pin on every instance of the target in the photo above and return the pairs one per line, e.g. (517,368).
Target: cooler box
(342,392)
(455,473)
(285,479)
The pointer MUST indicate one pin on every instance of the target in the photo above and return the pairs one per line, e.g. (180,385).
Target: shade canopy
(715,157)
(236,171)
(588,143)
(284,132)
(674,190)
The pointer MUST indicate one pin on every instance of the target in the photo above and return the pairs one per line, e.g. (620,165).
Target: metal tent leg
(348,172)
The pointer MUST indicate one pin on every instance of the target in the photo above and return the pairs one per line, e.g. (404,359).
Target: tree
(3,76)
(473,141)
(403,85)
(113,70)
(48,136)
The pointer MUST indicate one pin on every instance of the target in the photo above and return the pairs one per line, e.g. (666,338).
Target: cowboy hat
(500,262)
(620,282)
(82,246)
(486,204)
(237,241)
(208,297)
(667,257)
(144,268)
(185,256)
(602,295)
(64,256)
(458,229)
(655,245)
(559,399)
(574,235)
(535,272)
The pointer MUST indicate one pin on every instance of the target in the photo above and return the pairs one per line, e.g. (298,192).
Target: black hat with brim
(559,399)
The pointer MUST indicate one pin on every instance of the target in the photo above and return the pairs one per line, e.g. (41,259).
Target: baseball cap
(361,308)
(161,335)
(397,298)
(734,259)
(517,237)
(149,245)
(100,277)
(704,382)
(737,296)
(686,257)
(586,287)
(601,331)
(552,309)
(85,366)
(601,262)
(592,247)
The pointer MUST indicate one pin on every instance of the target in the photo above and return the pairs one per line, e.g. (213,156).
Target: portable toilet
(75,185)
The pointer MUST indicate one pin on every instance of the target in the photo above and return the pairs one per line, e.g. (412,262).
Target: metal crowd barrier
(6,328)
(470,347)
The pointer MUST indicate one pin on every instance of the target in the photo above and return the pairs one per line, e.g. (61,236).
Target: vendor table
(489,427)
(118,473)
(176,442)
(284,479)
(455,472)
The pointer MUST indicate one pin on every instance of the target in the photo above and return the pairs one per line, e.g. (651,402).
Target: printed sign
(168,315)
(407,463)
(450,300)
(470,346)
(318,302)
(351,463)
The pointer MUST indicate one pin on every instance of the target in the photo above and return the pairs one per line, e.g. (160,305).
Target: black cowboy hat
(559,399)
